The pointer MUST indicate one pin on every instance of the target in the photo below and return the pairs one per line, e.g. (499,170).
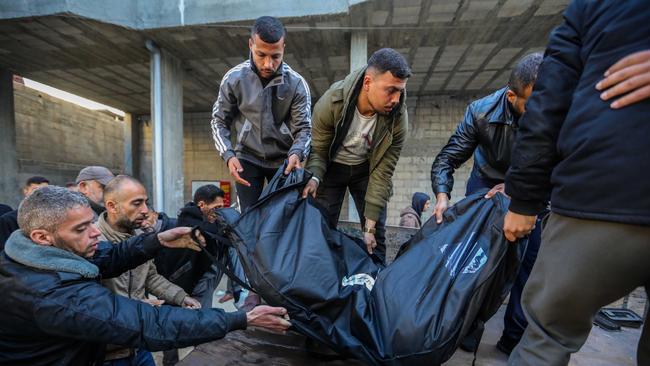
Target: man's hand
(499,188)
(631,74)
(516,226)
(153,302)
(369,238)
(294,163)
(272,318)
(180,237)
(442,204)
(191,303)
(310,188)
(234,166)
(371,242)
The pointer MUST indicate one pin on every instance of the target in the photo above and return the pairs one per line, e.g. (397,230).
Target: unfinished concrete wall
(432,120)
(56,139)
(200,159)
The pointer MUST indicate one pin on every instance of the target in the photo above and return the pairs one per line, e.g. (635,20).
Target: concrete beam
(167,116)
(152,14)
(9,194)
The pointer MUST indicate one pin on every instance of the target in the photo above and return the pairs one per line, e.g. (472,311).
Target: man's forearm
(115,259)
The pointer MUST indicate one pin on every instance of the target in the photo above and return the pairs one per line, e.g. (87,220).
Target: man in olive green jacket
(358,129)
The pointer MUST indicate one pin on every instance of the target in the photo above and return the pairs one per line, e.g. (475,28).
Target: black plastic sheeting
(445,280)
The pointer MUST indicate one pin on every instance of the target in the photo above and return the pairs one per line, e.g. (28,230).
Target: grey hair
(47,207)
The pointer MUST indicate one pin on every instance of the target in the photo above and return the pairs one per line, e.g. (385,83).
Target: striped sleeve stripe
(218,139)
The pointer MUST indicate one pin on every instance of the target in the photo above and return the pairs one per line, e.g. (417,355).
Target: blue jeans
(141,358)
(514,321)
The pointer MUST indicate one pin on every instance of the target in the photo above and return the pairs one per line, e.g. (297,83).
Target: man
(9,220)
(359,128)
(4,209)
(593,160)
(268,104)
(488,132)
(125,200)
(187,268)
(55,311)
(91,182)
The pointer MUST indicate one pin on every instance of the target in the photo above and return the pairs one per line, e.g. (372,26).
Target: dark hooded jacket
(184,267)
(56,312)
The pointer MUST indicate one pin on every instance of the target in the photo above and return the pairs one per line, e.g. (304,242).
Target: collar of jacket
(348,93)
(49,258)
(502,110)
(278,77)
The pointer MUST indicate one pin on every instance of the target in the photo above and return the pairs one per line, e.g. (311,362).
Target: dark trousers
(332,190)
(255,175)
(514,321)
(583,266)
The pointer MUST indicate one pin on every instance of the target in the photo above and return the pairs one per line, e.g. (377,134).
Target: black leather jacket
(487,131)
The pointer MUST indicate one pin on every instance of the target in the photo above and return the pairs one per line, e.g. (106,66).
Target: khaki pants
(582,266)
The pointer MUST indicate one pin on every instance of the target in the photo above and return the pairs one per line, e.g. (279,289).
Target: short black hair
(208,193)
(387,59)
(525,72)
(36,180)
(269,29)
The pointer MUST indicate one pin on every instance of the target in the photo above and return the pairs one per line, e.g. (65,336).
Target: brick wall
(56,139)
(432,120)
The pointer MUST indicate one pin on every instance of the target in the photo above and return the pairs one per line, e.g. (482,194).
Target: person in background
(9,220)
(91,182)
(4,209)
(72,186)
(411,216)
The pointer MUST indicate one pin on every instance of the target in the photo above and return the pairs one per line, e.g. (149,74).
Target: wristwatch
(369,230)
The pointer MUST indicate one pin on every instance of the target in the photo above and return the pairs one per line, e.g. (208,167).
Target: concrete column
(358,59)
(358,49)
(167,116)
(130,144)
(9,194)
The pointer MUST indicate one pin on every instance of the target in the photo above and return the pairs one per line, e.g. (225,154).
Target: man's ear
(250,44)
(111,206)
(200,204)
(42,237)
(367,79)
(511,96)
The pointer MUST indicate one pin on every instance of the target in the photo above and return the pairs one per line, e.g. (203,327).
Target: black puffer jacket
(487,131)
(593,159)
(184,267)
(55,311)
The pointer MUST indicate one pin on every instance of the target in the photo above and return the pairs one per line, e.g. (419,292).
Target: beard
(62,244)
(127,225)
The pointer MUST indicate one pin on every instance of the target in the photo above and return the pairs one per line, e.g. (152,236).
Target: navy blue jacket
(594,160)
(65,317)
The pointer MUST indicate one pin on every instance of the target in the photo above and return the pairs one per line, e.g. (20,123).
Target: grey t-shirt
(357,143)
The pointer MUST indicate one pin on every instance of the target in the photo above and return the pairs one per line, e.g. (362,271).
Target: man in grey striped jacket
(269,106)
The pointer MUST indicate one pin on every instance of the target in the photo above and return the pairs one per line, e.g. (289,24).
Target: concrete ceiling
(454,46)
